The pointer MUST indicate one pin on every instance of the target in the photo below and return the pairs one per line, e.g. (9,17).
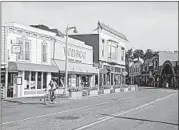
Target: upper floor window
(25,49)
(112,51)
(122,54)
(103,47)
(44,52)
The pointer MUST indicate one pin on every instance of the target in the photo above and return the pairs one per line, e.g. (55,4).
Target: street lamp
(66,53)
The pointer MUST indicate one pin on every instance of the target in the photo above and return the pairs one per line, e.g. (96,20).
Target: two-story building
(26,53)
(81,72)
(135,71)
(109,54)
(31,57)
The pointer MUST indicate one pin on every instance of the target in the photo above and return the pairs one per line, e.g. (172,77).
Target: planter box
(107,91)
(126,89)
(60,91)
(93,93)
(132,88)
(75,94)
(117,90)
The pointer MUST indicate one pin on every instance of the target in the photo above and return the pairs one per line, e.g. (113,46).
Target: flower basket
(107,89)
(60,91)
(75,92)
(116,90)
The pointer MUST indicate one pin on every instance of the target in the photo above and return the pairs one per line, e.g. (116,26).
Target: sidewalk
(32,100)
(40,100)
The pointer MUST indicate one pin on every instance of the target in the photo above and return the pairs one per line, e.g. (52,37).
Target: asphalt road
(147,109)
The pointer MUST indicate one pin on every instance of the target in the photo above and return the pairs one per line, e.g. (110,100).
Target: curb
(41,101)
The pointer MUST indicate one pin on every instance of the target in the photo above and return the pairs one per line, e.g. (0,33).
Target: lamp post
(66,56)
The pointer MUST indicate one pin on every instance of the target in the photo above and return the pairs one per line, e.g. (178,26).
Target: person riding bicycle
(52,90)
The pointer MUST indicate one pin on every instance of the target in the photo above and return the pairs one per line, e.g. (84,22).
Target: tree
(148,54)
(138,53)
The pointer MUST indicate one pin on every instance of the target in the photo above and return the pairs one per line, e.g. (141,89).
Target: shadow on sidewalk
(139,119)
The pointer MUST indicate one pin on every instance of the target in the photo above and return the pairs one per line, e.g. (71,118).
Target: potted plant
(107,89)
(75,92)
(117,88)
(93,91)
(60,90)
(126,88)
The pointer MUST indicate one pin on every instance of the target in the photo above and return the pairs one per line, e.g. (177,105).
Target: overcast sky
(151,25)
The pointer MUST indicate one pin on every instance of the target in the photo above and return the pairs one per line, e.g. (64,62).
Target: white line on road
(69,110)
(121,113)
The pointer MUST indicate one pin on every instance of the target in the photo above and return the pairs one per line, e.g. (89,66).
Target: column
(113,78)
(42,76)
(36,76)
(29,79)
(6,83)
(124,79)
(22,86)
(49,77)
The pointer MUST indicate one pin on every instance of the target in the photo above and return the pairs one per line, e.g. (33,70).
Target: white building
(29,72)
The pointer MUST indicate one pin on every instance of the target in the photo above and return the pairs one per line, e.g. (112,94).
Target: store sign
(74,53)
(125,73)
(19,80)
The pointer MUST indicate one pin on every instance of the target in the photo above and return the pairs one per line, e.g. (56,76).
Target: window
(39,80)
(122,54)
(145,68)
(26,78)
(25,49)
(44,52)
(33,83)
(109,51)
(112,51)
(44,80)
(103,47)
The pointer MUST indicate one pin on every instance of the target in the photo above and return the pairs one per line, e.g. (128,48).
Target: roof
(44,27)
(29,28)
(111,30)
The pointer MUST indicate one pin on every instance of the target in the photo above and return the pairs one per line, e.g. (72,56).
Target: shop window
(26,78)
(44,80)
(96,79)
(39,80)
(33,74)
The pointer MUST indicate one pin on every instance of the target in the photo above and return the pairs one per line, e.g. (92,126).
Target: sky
(147,25)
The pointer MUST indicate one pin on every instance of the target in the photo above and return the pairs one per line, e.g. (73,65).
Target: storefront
(81,72)
(28,80)
(112,75)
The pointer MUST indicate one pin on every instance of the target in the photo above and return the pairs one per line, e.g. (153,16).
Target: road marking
(69,110)
(121,113)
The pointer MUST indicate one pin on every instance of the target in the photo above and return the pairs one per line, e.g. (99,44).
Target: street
(145,109)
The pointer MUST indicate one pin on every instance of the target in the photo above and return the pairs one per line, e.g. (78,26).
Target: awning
(76,68)
(15,66)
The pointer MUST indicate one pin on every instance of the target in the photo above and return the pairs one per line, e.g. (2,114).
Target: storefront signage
(125,73)
(75,53)
(19,80)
